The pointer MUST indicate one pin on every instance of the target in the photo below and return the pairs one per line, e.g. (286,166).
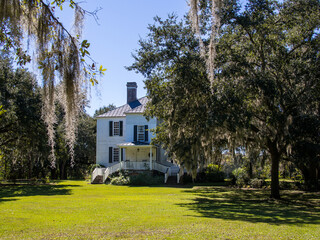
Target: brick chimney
(131,92)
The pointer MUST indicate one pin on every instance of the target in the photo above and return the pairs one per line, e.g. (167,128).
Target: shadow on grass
(11,192)
(255,205)
(163,186)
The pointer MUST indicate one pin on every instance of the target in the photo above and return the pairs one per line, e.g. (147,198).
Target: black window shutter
(135,133)
(146,139)
(110,154)
(110,128)
(121,128)
(121,154)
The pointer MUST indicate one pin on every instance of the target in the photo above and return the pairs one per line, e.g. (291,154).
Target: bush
(213,174)
(210,174)
(121,179)
(186,178)
(142,179)
(290,185)
(241,177)
(145,179)
(257,183)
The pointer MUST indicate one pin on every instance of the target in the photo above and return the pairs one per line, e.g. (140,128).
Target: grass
(78,210)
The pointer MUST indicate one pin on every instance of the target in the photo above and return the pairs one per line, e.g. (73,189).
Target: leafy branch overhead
(63,59)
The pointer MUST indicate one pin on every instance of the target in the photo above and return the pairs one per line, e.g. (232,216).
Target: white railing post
(94,173)
(150,158)
(120,158)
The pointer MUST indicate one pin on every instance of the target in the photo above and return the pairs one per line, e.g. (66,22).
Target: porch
(139,156)
(100,175)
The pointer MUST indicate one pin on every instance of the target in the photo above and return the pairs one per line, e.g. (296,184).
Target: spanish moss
(57,54)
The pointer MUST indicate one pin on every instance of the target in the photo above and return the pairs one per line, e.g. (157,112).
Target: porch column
(120,158)
(150,158)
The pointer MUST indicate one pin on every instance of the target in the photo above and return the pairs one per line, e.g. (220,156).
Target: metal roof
(137,106)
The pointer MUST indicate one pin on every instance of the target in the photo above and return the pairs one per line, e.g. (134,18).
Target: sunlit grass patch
(78,210)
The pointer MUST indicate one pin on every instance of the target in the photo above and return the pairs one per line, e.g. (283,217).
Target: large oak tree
(264,73)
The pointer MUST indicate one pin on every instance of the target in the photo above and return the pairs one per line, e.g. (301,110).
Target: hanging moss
(59,55)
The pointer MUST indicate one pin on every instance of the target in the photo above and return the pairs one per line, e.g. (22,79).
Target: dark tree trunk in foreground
(275,192)
(275,159)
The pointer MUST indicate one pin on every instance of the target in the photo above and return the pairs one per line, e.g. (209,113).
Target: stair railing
(94,174)
(112,169)
(166,175)
(180,174)
(97,172)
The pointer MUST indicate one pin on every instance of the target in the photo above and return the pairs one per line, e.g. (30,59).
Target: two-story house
(123,140)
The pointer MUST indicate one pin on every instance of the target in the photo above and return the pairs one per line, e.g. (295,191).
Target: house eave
(135,145)
(101,117)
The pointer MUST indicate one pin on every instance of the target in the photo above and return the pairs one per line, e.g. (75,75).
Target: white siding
(138,119)
(104,141)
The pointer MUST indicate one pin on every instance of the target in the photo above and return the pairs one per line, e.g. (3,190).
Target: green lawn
(78,210)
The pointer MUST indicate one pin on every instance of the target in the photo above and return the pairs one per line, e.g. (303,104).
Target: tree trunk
(275,189)
(275,159)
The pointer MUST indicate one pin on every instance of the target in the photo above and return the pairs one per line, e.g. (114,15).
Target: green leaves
(101,69)
(90,70)
(2,111)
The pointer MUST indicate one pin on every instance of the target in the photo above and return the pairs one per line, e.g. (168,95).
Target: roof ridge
(118,108)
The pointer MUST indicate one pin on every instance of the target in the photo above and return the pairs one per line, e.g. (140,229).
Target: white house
(123,140)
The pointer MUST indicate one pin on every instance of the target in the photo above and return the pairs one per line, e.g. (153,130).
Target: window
(116,128)
(141,133)
(116,154)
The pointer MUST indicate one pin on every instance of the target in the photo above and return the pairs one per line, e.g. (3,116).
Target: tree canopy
(63,59)
(247,82)
(23,140)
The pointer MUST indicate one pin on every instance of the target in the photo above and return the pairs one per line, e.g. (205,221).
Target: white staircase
(100,175)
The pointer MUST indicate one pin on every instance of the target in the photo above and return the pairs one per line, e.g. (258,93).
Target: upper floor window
(141,133)
(116,128)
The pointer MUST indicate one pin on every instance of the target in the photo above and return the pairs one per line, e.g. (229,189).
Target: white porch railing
(128,165)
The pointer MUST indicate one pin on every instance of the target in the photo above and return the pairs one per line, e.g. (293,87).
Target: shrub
(142,179)
(264,173)
(145,179)
(257,183)
(121,179)
(290,185)
(213,173)
(186,178)
(241,177)
(210,174)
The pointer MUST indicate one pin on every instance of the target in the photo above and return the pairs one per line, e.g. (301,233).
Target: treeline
(24,149)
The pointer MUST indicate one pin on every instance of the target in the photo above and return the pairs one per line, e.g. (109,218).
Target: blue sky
(121,24)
